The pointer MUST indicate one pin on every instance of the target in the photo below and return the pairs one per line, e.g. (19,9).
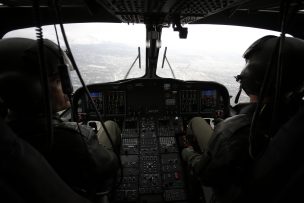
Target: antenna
(137,58)
(165,58)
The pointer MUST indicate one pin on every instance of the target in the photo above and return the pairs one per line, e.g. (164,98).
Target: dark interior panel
(152,114)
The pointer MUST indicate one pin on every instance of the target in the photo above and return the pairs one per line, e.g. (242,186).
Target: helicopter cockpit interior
(152,111)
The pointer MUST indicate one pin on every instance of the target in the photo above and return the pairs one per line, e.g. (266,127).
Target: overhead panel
(133,11)
(191,11)
(41,2)
(136,11)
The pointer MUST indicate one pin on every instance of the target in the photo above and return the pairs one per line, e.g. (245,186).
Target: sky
(207,40)
(205,35)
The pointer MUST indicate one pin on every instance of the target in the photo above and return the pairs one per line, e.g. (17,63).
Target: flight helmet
(262,56)
(21,88)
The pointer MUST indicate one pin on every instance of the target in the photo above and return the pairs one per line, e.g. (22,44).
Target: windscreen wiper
(165,58)
(139,63)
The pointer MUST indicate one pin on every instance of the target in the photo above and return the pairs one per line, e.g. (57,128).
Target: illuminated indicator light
(177,175)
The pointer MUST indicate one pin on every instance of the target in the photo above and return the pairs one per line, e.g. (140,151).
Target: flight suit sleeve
(226,156)
(78,156)
(195,161)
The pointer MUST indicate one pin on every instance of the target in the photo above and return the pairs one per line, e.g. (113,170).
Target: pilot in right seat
(83,159)
(226,153)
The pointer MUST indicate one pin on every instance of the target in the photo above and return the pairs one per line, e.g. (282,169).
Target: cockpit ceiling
(42,2)
(253,13)
(140,11)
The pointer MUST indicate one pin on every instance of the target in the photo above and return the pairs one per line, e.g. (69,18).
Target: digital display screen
(97,99)
(208,93)
(208,98)
(96,94)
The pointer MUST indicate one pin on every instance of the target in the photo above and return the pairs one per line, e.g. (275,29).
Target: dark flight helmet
(20,81)
(262,54)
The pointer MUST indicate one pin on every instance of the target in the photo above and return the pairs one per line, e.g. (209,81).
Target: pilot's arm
(79,158)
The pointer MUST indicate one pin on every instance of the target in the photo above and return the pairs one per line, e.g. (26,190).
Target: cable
(80,77)
(286,9)
(115,149)
(265,88)
(254,152)
(43,74)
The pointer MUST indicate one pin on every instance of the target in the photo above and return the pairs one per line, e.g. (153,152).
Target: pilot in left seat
(84,159)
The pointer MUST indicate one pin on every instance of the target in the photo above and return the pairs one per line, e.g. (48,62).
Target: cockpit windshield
(210,53)
(104,52)
(107,52)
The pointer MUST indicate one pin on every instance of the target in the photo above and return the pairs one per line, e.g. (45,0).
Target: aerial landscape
(108,62)
(105,52)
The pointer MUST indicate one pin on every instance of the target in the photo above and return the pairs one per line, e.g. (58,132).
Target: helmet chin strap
(237,97)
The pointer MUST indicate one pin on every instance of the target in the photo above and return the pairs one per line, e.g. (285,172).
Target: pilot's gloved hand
(182,140)
(187,153)
(217,121)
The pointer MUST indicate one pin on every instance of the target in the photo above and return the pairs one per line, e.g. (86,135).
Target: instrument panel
(153,96)
(152,114)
